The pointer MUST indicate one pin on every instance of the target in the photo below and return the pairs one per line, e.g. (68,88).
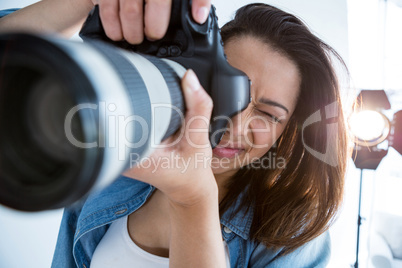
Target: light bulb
(369,127)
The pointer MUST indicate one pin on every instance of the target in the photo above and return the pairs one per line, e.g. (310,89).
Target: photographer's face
(274,91)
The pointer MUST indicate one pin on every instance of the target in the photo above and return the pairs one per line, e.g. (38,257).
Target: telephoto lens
(72,114)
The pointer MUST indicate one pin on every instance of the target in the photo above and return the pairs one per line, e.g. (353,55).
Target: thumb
(199,109)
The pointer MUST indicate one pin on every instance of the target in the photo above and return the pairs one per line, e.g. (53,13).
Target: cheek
(264,131)
(264,136)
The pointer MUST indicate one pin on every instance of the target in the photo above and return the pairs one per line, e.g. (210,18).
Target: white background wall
(28,239)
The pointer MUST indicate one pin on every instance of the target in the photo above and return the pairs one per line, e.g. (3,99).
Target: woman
(267,216)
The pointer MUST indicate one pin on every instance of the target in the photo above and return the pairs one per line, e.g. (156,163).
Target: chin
(219,168)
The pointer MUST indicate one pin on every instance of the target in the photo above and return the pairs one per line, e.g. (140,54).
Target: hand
(181,169)
(129,20)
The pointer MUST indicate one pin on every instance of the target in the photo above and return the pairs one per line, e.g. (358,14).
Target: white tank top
(117,249)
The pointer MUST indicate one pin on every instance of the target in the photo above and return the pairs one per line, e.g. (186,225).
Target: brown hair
(295,204)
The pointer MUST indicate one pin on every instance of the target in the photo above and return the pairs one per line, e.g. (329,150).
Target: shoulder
(122,192)
(119,198)
(315,253)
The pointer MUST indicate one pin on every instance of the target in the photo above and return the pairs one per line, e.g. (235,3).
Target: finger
(109,14)
(157,16)
(131,17)
(199,108)
(200,10)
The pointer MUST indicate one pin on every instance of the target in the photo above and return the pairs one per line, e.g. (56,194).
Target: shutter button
(227,230)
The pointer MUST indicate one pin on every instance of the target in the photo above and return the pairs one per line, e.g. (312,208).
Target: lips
(228,152)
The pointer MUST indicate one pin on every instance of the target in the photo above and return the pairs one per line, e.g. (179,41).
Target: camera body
(197,47)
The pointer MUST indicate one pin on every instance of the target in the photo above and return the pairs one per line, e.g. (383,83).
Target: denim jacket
(7,11)
(83,226)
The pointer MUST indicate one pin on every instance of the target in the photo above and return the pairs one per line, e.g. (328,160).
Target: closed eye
(274,118)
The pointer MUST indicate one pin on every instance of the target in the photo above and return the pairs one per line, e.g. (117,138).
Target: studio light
(370,127)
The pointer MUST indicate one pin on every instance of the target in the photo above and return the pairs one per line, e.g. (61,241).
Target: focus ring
(173,82)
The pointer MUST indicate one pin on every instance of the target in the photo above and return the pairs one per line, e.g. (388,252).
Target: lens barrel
(73,114)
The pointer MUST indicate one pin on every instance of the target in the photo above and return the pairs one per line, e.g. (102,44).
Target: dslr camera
(72,113)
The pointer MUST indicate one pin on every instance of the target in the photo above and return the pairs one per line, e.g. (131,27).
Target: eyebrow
(273,103)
